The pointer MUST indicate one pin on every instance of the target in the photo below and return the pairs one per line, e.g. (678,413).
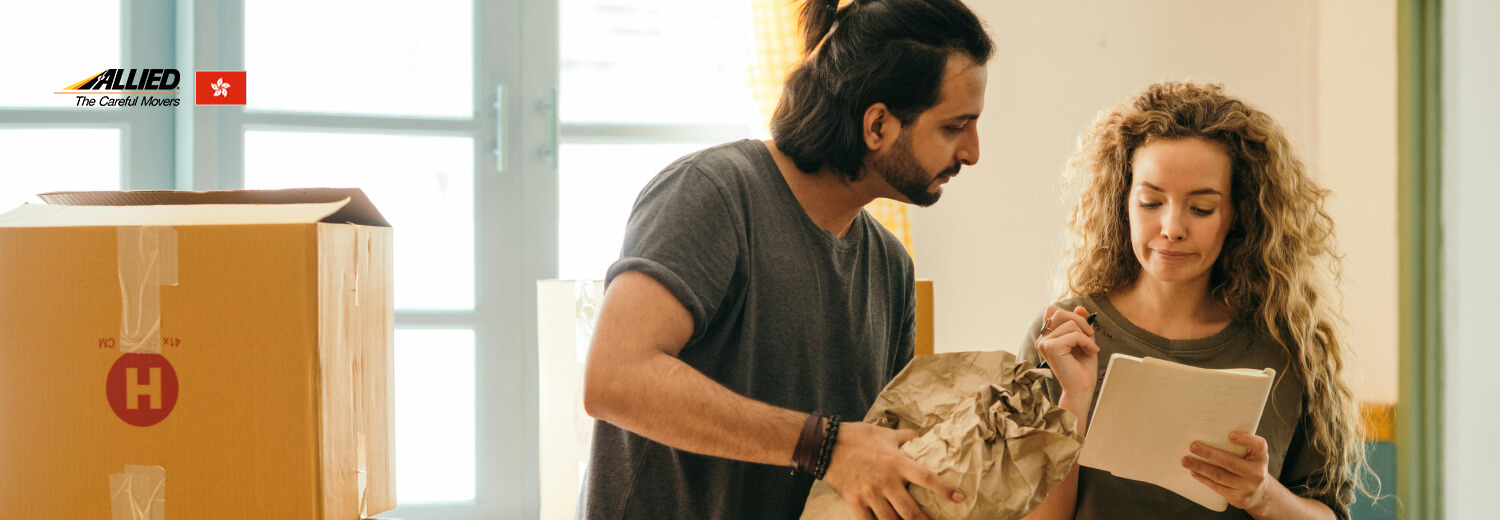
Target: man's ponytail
(817,19)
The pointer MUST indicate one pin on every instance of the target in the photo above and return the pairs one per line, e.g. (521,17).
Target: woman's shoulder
(1091,303)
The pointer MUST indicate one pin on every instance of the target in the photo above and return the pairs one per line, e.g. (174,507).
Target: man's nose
(968,149)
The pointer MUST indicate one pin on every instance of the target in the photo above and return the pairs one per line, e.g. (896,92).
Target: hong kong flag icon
(221,87)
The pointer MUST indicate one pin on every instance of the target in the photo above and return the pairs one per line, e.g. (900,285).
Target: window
(47,143)
(643,83)
(506,141)
(39,160)
(433,111)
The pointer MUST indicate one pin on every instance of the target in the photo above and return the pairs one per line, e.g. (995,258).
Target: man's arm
(635,380)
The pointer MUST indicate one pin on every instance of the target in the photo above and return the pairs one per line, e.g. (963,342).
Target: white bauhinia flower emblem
(220,88)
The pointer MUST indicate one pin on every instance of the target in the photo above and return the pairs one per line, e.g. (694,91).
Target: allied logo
(163,81)
(141,388)
(127,87)
(221,87)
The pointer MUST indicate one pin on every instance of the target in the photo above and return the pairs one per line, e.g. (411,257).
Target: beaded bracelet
(825,455)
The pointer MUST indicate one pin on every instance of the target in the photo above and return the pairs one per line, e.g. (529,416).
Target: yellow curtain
(778,48)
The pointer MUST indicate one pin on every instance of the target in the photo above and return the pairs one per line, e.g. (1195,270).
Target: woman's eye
(1204,212)
(1150,205)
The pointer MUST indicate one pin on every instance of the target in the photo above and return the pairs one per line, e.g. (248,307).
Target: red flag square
(221,87)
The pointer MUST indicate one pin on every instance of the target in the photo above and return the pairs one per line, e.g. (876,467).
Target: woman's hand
(1244,481)
(1066,343)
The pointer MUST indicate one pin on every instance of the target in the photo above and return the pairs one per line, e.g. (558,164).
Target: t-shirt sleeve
(682,233)
(1303,467)
(907,349)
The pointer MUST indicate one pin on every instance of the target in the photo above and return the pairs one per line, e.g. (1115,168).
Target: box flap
(358,210)
(55,216)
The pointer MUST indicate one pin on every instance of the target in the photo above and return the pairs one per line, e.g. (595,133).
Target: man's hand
(870,472)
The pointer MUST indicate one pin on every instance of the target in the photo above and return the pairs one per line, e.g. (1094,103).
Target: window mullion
(345,123)
(650,133)
(210,146)
(147,40)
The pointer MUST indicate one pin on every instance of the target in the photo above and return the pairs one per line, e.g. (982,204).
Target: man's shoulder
(724,160)
(889,241)
(732,169)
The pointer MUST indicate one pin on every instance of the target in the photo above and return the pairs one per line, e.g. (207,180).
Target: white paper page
(1149,412)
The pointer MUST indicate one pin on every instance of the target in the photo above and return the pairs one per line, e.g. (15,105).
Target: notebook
(1150,410)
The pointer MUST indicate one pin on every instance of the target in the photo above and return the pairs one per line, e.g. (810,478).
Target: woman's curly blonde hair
(1278,270)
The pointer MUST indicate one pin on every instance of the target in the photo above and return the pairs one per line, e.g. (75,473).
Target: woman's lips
(1172,255)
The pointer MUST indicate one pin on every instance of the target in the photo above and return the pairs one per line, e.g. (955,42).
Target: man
(753,289)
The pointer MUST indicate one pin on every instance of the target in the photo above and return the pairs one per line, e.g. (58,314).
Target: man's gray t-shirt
(783,312)
(1292,458)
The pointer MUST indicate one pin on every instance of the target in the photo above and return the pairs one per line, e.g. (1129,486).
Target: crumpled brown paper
(984,424)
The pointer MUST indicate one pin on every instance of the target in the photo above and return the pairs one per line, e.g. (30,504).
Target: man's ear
(881,128)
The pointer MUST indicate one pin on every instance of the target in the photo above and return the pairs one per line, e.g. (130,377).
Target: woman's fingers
(1223,477)
(1215,486)
(1224,459)
(1068,341)
(1255,445)
(1055,317)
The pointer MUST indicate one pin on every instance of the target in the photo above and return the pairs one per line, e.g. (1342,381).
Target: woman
(1198,237)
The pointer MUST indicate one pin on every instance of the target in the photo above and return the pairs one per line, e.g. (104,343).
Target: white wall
(1357,139)
(1324,70)
(1471,130)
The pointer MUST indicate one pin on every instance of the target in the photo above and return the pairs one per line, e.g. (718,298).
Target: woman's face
(1180,209)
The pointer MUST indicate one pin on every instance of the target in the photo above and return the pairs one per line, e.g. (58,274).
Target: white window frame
(146,155)
(515,214)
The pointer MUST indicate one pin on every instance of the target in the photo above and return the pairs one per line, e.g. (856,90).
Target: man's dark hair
(879,51)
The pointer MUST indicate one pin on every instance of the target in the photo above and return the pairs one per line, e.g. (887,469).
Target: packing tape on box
(147,260)
(140,493)
(350,333)
(364,476)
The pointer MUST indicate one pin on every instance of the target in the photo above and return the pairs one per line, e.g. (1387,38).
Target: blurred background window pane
(383,57)
(434,415)
(424,185)
(46,46)
(597,186)
(36,161)
(655,61)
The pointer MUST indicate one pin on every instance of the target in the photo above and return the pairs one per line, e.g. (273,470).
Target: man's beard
(902,171)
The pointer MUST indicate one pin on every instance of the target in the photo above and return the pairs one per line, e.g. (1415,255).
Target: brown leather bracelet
(809,443)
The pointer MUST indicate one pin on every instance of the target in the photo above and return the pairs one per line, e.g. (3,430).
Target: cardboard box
(252,329)
(925,336)
(566,313)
